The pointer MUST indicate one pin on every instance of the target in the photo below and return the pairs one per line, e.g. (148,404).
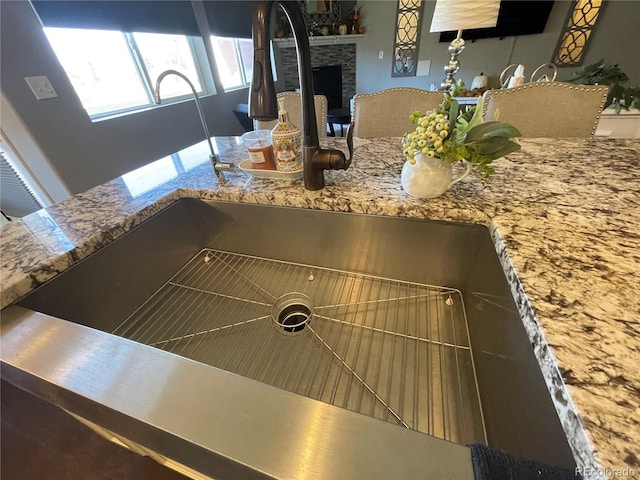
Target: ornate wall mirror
(321,12)
(319,6)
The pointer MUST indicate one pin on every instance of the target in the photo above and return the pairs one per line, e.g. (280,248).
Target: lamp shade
(464,14)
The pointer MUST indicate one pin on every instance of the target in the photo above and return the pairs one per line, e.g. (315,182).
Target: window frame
(245,82)
(199,57)
(238,54)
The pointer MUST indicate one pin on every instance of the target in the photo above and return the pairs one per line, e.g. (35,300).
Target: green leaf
(507,148)
(453,114)
(505,130)
(458,88)
(477,132)
(599,73)
(490,145)
(492,129)
(486,171)
(477,114)
(493,148)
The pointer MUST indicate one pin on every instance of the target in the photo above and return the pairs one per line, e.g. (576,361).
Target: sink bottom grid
(393,350)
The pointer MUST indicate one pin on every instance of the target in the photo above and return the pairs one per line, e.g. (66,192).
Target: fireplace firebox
(327,81)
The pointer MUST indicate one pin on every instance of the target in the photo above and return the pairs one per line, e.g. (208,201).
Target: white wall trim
(321,40)
(46,180)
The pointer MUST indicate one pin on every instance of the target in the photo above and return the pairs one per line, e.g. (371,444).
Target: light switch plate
(424,66)
(41,87)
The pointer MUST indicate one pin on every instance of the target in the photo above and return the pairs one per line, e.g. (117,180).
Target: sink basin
(409,322)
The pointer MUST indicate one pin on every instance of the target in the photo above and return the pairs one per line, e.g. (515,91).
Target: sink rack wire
(394,350)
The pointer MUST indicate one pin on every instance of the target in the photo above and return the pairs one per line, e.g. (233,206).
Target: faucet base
(316,160)
(313,175)
(220,167)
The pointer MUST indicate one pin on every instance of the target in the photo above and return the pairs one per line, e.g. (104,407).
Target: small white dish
(245,166)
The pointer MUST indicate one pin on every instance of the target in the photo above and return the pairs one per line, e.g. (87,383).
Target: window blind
(174,17)
(229,18)
(226,18)
(16,198)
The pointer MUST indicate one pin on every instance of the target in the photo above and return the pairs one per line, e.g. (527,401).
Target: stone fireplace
(343,54)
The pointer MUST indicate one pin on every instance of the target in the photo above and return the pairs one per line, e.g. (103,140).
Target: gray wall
(616,39)
(83,153)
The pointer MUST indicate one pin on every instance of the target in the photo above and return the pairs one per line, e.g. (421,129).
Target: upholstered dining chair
(548,109)
(293,105)
(386,113)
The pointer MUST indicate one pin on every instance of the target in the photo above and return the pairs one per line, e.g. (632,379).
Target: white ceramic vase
(429,177)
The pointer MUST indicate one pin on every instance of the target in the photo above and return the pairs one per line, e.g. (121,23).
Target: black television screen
(515,17)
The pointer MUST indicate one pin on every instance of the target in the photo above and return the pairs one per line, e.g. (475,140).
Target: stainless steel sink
(406,321)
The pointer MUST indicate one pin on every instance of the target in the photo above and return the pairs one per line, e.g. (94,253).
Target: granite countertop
(564,215)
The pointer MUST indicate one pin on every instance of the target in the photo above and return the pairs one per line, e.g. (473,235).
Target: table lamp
(461,15)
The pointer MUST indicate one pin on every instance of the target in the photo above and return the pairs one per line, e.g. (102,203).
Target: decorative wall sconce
(461,15)
(407,38)
(404,61)
(576,34)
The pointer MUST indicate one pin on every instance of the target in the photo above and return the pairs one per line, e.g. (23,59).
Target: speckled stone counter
(564,215)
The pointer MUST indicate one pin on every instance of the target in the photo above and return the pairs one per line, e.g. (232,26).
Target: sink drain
(291,313)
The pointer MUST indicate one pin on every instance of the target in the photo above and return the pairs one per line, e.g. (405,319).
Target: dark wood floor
(40,441)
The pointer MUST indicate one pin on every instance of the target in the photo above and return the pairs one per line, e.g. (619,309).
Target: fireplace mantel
(321,40)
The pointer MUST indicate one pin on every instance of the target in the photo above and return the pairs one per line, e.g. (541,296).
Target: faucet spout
(262,98)
(218,166)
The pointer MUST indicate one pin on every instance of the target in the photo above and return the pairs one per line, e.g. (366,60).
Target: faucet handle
(224,167)
(220,167)
(350,144)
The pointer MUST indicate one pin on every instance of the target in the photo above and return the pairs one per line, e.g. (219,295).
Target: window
(113,71)
(234,61)
(161,52)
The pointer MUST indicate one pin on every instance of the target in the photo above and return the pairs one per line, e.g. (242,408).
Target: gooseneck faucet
(262,99)
(218,166)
